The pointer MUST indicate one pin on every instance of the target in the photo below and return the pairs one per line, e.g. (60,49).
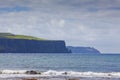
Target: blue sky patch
(14,9)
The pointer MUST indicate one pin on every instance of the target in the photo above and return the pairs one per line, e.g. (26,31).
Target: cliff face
(83,50)
(8,45)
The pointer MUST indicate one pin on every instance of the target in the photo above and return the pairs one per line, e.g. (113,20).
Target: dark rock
(31,72)
(29,79)
(74,79)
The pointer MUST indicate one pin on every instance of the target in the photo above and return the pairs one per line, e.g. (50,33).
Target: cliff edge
(10,43)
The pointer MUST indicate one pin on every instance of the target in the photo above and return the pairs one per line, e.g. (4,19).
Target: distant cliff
(83,50)
(10,43)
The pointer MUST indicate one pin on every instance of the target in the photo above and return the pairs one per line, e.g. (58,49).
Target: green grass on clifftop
(12,36)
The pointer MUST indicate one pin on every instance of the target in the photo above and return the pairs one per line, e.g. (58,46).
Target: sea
(60,66)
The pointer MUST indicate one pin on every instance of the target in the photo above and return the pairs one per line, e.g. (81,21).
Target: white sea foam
(12,71)
(51,73)
(82,74)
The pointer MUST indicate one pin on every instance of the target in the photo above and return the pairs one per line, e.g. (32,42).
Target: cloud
(14,9)
(58,23)
(78,22)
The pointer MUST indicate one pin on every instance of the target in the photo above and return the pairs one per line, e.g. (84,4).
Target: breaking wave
(50,73)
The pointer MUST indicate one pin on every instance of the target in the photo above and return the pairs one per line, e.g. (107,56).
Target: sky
(93,23)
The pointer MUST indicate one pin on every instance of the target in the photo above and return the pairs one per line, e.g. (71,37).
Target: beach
(56,75)
(59,67)
(58,78)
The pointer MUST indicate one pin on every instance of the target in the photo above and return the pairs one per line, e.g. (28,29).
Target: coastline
(62,67)
(56,75)
(60,78)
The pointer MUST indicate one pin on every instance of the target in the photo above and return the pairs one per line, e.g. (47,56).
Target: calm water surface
(60,62)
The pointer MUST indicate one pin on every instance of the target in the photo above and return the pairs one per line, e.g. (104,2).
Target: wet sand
(59,78)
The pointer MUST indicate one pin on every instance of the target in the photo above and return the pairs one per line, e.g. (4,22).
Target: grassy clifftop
(13,36)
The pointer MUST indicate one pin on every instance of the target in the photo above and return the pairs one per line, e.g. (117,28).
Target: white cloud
(58,23)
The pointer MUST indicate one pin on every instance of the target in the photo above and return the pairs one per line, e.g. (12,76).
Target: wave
(51,73)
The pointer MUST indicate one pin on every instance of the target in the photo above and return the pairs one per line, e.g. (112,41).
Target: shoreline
(48,77)
(56,75)
(60,78)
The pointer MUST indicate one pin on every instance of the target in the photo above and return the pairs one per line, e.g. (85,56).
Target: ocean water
(75,65)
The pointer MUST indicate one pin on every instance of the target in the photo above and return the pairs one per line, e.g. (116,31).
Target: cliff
(10,43)
(83,50)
